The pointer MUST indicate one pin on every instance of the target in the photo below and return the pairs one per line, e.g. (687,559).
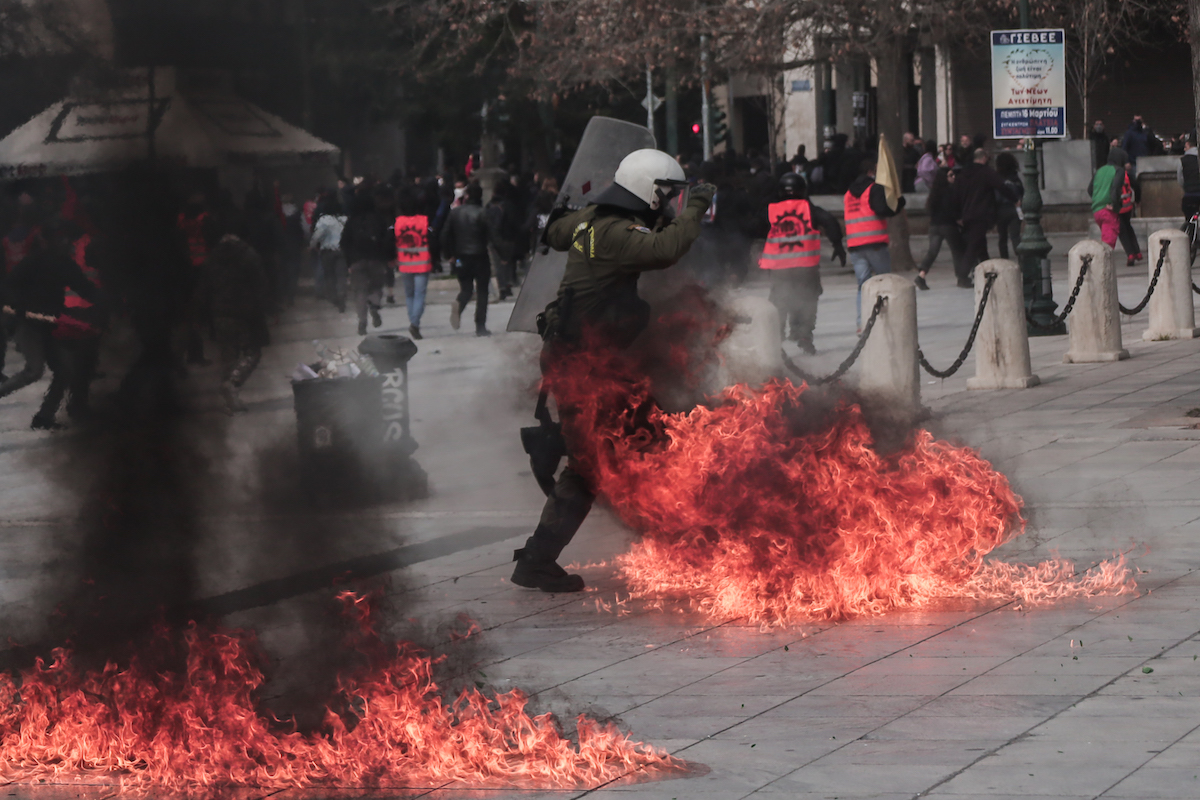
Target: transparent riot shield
(605,142)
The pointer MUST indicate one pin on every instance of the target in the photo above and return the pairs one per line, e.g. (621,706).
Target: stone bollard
(1002,344)
(752,353)
(887,373)
(1095,321)
(1172,313)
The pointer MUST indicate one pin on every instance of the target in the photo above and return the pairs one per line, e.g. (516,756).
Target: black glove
(839,253)
(900,203)
(558,212)
(701,195)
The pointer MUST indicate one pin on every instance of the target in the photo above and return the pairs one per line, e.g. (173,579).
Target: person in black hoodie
(465,238)
(943,223)
(35,293)
(976,191)
(369,244)
(1008,215)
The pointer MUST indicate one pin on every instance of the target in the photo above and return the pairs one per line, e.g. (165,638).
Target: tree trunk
(892,96)
(1194,31)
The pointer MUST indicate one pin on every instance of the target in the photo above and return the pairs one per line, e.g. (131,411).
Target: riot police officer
(793,254)
(625,232)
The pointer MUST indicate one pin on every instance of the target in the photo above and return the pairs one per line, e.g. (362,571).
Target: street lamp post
(1033,250)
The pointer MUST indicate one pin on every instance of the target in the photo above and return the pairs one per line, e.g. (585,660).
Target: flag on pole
(886,175)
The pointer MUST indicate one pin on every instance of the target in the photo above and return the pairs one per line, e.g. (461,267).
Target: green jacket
(1106,188)
(605,256)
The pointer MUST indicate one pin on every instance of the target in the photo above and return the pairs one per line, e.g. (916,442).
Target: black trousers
(951,235)
(568,506)
(795,293)
(1009,227)
(1190,205)
(474,273)
(1129,240)
(975,249)
(40,350)
(77,368)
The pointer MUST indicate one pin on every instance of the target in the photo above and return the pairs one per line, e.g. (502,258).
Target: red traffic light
(695,127)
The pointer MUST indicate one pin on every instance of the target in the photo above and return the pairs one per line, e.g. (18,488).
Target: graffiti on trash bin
(393,406)
(322,437)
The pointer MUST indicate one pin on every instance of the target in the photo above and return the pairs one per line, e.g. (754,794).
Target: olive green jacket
(605,256)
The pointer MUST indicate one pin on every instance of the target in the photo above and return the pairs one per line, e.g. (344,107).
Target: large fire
(150,726)
(753,506)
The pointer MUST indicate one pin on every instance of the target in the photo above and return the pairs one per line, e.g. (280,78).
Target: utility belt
(544,442)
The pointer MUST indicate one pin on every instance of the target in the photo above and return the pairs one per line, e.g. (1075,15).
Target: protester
(1136,142)
(385,209)
(330,263)
(1008,211)
(1129,240)
(1106,195)
(18,242)
(539,211)
(368,243)
(866,211)
(943,223)
(976,190)
(1188,176)
(927,167)
(1100,144)
(198,229)
(792,253)
(235,290)
(465,238)
(291,247)
(77,332)
(34,292)
(503,226)
(413,258)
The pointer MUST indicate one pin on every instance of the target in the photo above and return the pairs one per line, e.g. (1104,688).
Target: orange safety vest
(193,230)
(71,324)
(792,242)
(412,244)
(1126,196)
(862,226)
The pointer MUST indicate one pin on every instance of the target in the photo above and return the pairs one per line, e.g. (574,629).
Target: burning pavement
(857,707)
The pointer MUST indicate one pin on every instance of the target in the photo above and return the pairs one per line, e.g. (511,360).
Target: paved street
(1081,699)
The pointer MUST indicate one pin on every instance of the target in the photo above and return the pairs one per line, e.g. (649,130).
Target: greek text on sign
(1029,87)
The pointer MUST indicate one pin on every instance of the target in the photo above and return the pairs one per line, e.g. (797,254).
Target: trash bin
(353,433)
(391,353)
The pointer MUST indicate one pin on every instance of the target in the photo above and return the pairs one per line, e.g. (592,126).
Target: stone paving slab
(965,701)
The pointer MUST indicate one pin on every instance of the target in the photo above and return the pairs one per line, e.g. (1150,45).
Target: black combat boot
(537,571)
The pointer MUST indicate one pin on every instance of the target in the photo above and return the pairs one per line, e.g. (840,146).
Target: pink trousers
(1110,225)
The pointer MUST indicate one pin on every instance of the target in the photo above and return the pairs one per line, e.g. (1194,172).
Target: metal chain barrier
(1061,318)
(812,380)
(958,362)
(1162,256)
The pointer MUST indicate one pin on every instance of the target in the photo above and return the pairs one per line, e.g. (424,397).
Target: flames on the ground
(752,506)
(150,725)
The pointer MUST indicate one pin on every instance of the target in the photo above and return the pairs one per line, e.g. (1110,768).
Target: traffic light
(696,127)
(718,128)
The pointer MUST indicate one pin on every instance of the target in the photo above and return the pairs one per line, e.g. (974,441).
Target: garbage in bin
(352,418)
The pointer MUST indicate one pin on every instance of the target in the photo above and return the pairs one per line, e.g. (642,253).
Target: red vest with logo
(412,244)
(193,231)
(792,242)
(862,226)
(1126,196)
(75,322)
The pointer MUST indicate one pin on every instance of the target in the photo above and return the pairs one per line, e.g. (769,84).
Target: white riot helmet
(646,180)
